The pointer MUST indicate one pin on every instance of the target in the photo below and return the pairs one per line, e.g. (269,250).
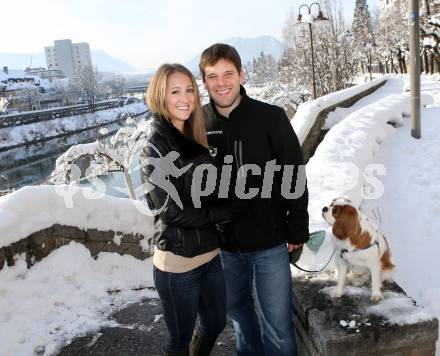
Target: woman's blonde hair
(156,94)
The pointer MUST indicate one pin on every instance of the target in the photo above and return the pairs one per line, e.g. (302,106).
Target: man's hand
(291,247)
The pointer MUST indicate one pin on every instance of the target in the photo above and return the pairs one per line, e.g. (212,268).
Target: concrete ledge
(353,325)
(314,136)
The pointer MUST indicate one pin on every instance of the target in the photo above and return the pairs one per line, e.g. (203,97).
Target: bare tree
(86,82)
(117,85)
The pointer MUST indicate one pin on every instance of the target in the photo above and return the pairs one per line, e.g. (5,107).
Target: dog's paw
(376,297)
(335,292)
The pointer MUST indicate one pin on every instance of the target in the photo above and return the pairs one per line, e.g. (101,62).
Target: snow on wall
(307,112)
(34,208)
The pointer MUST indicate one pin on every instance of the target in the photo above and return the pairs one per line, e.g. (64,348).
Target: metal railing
(31,117)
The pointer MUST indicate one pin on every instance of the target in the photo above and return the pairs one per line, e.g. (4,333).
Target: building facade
(68,57)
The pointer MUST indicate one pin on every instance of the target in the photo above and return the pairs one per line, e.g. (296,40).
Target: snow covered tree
(363,37)
(430,35)
(3,106)
(264,69)
(30,96)
(392,38)
(86,161)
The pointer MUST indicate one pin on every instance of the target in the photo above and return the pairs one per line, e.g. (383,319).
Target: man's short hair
(212,54)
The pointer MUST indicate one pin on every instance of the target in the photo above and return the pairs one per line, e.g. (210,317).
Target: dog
(359,246)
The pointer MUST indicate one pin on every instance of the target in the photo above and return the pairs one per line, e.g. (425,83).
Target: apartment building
(67,56)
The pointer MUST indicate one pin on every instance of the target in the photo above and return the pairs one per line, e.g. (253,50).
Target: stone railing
(315,134)
(40,244)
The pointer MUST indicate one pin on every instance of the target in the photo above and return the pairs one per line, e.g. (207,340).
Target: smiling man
(255,253)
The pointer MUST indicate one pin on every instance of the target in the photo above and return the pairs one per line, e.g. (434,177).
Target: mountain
(101,59)
(248,48)
(107,63)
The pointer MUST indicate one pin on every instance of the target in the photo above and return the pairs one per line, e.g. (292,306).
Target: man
(255,258)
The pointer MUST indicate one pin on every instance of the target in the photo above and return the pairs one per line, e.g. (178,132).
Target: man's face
(222,80)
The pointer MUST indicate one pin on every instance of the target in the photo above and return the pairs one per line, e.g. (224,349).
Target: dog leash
(322,269)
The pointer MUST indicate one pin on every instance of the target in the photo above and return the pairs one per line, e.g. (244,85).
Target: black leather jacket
(180,227)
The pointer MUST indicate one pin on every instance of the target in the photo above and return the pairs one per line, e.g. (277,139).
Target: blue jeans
(266,276)
(201,292)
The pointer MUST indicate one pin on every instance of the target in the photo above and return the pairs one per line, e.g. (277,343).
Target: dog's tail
(387,263)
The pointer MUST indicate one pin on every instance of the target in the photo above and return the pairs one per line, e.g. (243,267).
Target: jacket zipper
(240,153)
(198,235)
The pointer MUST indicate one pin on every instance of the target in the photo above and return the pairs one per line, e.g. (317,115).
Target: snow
(44,307)
(34,208)
(399,309)
(27,133)
(406,193)
(307,112)
(28,80)
(66,294)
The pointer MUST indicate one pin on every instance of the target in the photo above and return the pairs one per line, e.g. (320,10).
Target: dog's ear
(339,229)
(346,221)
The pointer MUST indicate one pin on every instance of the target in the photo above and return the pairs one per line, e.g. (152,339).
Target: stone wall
(42,243)
(347,326)
(315,136)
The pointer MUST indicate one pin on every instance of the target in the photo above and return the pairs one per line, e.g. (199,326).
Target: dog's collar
(344,250)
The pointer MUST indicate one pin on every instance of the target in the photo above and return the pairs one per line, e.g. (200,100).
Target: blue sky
(144,33)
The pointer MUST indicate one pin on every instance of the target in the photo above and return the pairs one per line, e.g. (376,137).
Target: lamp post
(414,53)
(310,19)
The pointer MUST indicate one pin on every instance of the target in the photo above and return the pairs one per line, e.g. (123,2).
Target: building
(26,91)
(49,74)
(68,56)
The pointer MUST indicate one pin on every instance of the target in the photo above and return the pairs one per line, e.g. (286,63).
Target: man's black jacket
(256,133)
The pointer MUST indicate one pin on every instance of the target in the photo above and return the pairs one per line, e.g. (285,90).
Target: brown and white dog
(359,247)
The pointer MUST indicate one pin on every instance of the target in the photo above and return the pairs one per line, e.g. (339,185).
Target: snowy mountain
(248,49)
(107,63)
(101,59)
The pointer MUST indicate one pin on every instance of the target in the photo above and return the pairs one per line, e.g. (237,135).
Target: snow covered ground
(67,293)
(404,201)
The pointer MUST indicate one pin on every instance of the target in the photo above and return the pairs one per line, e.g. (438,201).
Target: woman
(187,271)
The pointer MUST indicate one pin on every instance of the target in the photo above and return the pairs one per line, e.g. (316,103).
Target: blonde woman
(187,270)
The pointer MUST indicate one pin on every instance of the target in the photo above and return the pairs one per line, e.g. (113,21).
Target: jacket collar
(243,102)
(187,147)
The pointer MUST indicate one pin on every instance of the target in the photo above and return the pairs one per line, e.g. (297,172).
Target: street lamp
(308,18)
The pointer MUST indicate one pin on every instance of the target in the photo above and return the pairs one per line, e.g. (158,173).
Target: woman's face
(179,98)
